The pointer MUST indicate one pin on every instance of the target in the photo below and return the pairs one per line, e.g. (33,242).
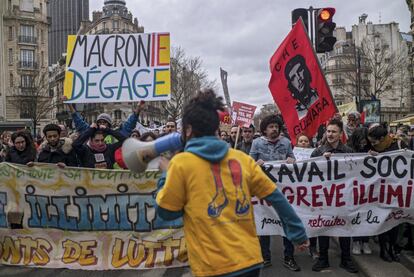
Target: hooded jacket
(64,153)
(211,185)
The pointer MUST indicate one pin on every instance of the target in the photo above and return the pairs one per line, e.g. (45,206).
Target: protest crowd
(98,145)
(207,190)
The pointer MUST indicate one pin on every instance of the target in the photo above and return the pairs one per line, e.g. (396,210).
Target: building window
(25,110)
(42,36)
(26,81)
(27,5)
(27,30)
(41,8)
(27,55)
(27,34)
(10,55)
(9,6)
(42,57)
(11,80)
(10,33)
(27,58)
(115,24)
(118,115)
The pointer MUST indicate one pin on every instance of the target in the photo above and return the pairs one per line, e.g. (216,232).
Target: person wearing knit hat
(104,119)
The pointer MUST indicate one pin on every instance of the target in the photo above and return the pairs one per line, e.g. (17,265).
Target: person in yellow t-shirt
(211,186)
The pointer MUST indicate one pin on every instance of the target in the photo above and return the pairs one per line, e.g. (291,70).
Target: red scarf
(97,148)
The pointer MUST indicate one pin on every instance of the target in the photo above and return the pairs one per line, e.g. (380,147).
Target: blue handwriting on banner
(112,212)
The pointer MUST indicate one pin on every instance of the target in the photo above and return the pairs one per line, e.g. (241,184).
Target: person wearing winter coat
(23,150)
(56,150)
(96,153)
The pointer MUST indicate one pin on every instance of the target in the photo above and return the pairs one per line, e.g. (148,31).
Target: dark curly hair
(269,120)
(201,113)
(377,132)
(51,127)
(359,135)
(147,135)
(28,139)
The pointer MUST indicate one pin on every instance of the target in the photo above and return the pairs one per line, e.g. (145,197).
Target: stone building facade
(24,57)
(372,62)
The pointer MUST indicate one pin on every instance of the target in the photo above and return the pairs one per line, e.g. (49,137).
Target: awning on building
(408,120)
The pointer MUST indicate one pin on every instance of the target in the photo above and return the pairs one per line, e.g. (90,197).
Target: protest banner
(86,219)
(117,68)
(302,153)
(348,195)
(95,219)
(242,114)
(298,85)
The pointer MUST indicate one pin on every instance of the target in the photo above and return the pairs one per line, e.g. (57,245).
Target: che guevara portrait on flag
(299,80)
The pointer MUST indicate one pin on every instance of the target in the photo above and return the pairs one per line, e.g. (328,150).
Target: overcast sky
(241,35)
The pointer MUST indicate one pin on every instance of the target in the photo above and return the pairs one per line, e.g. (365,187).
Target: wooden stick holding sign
(237,137)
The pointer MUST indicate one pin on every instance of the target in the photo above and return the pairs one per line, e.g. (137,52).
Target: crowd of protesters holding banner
(98,145)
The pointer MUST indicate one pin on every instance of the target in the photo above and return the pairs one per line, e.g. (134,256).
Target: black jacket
(395,145)
(21,157)
(92,159)
(63,154)
(342,148)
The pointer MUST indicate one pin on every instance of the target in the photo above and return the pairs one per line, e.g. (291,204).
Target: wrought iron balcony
(27,39)
(28,65)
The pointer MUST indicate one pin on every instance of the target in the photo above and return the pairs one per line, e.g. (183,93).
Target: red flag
(224,117)
(362,117)
(298,85)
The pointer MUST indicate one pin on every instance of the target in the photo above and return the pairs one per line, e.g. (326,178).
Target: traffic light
(298,13)
(324,28)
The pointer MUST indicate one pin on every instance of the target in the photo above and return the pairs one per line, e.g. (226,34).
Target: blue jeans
(265,246)
(289,248)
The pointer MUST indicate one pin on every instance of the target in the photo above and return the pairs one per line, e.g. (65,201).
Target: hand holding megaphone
(137,154)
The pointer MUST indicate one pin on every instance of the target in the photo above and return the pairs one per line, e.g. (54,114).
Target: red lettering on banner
(315,196)
(323,222)
(309,196)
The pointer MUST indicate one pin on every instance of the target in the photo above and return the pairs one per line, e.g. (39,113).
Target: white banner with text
(347,195)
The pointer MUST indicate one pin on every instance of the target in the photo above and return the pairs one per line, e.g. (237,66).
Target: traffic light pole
(311,21)
(319,26)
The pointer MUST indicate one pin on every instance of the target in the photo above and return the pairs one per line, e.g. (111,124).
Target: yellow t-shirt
(219,225)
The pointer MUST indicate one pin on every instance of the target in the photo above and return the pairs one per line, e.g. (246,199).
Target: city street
(378,268)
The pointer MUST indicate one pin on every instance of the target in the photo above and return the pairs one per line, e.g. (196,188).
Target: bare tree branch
(187,77)
(32,98)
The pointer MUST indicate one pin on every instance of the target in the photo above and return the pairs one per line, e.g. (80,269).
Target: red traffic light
(326,14)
